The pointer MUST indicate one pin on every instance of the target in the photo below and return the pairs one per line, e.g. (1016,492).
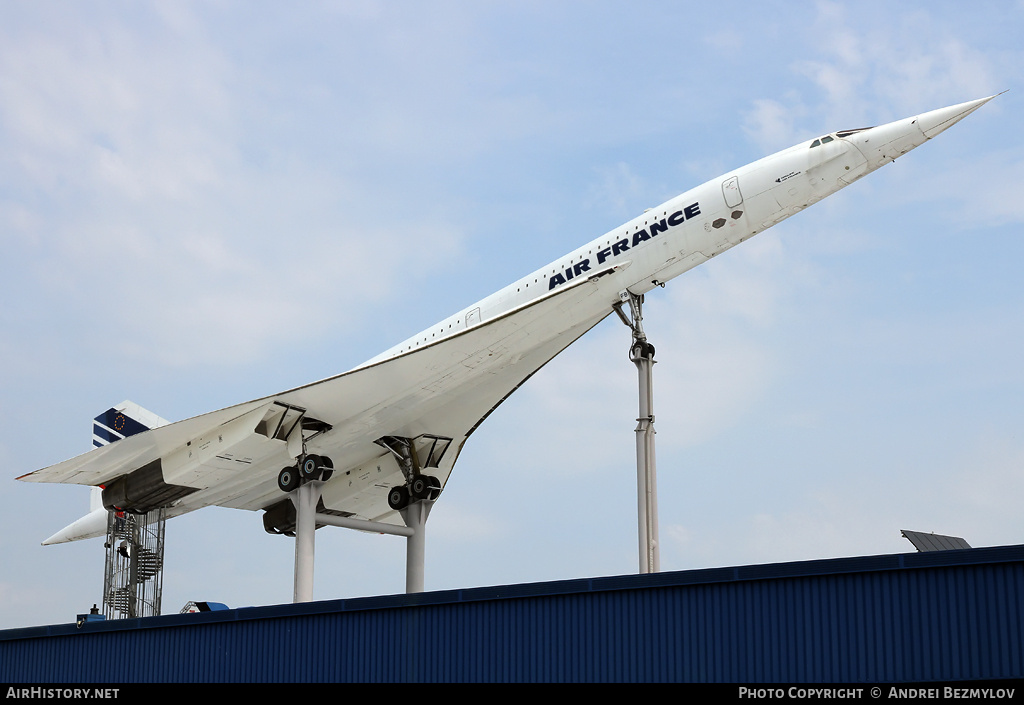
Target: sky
(203,203)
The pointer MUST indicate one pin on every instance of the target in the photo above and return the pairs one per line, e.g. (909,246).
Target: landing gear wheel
(642,350)
(420,487)
(326,468)
(435,487)
(310,467)
(288,479)
(398,497)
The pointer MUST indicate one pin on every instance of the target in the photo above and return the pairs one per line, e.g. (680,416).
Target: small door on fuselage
(731,191)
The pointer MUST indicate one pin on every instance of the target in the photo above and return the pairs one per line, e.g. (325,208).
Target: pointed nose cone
(936,121)
(880,145)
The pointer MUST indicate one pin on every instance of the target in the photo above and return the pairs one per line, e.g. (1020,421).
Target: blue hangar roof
(944,615)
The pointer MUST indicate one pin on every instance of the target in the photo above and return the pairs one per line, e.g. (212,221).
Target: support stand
(415,517)
(305,499)
(641,353)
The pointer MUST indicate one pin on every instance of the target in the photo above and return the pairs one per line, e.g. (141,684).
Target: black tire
(398,497)
(435,487)
(326,468)
(310,467)
(288,479)
(420,487)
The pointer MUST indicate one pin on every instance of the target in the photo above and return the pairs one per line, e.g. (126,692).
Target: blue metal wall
(952,615)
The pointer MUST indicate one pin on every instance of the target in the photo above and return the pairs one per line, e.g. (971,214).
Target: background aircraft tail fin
(125,419)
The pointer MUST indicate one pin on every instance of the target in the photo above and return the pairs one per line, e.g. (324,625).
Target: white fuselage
(678,235)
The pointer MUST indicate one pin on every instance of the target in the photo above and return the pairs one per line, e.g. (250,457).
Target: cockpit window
(815,143)
(847,133)
(826,139)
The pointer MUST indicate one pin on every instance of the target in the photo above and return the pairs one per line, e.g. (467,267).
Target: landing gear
(425,487)
(310,467)
(326,469)
(422,487)
(302,510)
(288,479)
(398,497)
(415,455)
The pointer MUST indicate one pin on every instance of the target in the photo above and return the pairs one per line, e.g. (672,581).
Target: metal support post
(305,499)
(641,353)
(415,517)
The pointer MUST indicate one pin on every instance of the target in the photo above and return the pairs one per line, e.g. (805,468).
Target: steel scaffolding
(133,578)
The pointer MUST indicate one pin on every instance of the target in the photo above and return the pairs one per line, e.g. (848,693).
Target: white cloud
(726,41)
(985,189)
(862,514)
(865,72)
(909,64)
(618,191)
(771,124)
(458,524)
(156,215)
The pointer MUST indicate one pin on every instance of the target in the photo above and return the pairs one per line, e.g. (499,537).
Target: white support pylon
(641,353)
(415,517)
(305,499)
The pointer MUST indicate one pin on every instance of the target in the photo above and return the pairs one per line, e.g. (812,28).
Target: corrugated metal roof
(951,615)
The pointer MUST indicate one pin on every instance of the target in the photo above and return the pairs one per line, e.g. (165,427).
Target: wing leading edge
(445,389)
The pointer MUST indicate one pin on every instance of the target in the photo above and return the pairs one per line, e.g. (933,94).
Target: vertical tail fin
(125,419)
(118,422)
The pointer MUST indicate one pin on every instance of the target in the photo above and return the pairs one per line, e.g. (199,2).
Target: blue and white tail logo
(125,419)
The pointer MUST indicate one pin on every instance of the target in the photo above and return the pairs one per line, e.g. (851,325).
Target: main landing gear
(421,487)
(412,459)
(413,499)
(308,468)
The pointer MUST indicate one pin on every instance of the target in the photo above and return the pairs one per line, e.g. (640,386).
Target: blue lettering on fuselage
(623,245)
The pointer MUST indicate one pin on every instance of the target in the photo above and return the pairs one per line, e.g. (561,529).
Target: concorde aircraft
(384,436)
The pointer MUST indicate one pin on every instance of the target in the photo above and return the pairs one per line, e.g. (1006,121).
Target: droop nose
(880,145)
(936,121)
